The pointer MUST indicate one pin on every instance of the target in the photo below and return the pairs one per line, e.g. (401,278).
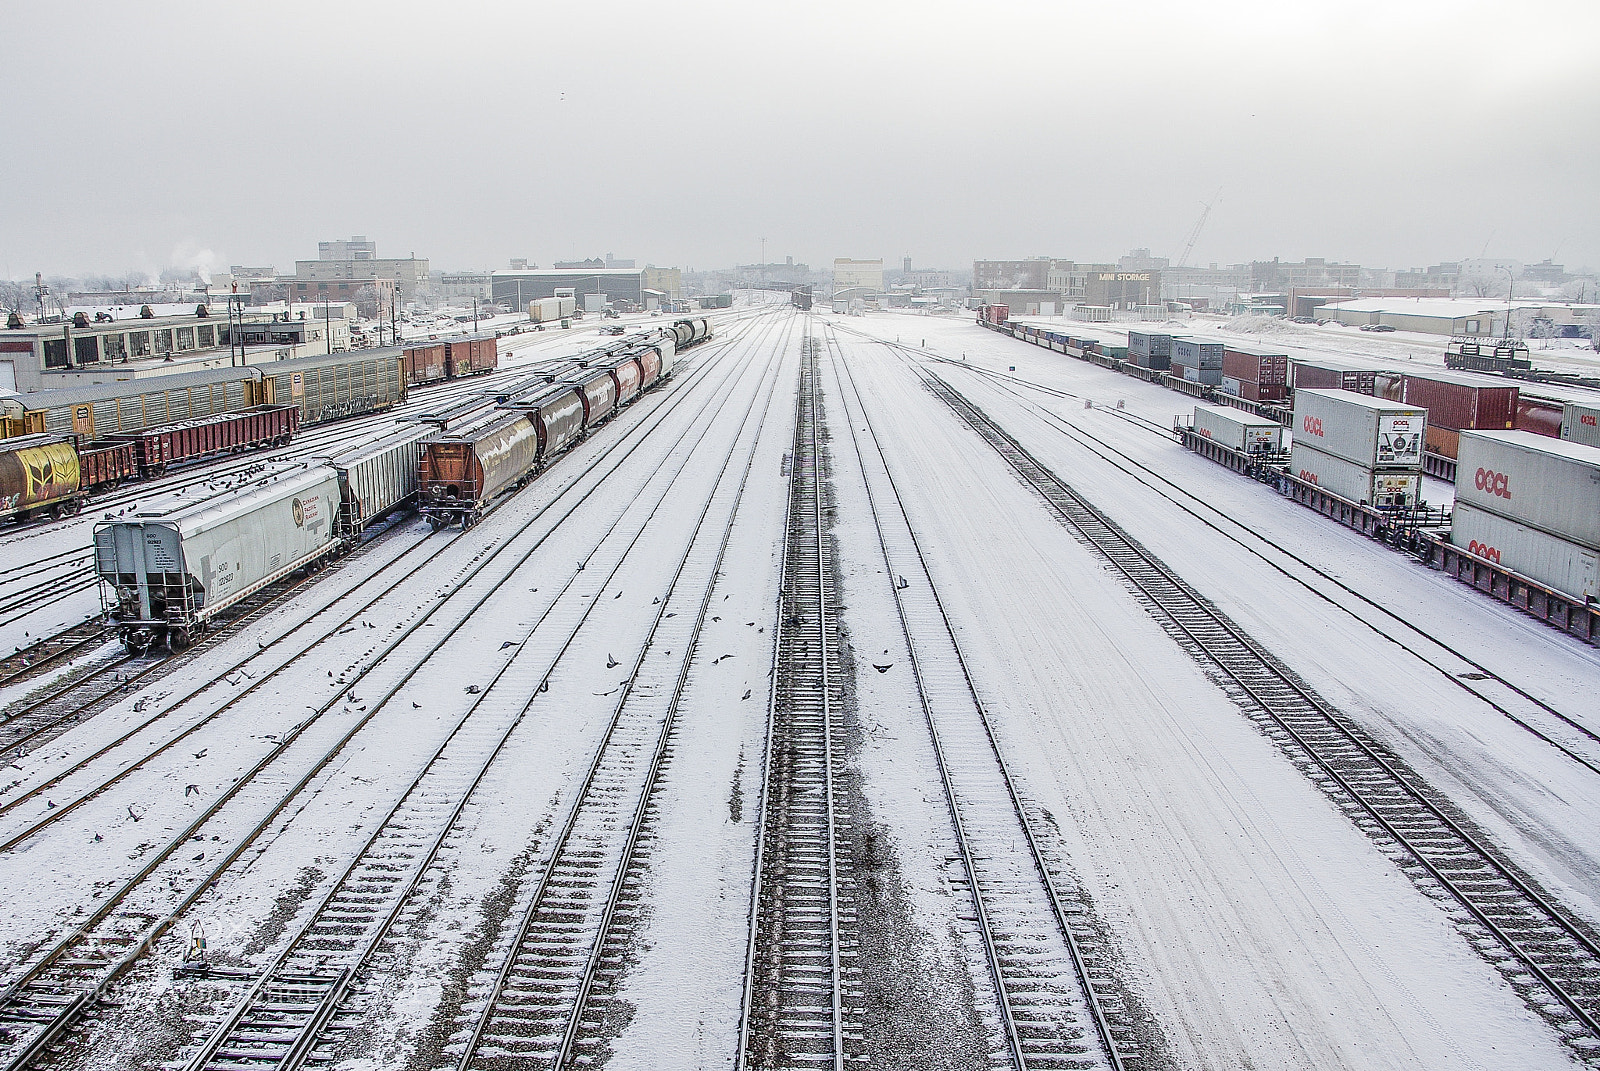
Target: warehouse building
(1461,316)
(516,288)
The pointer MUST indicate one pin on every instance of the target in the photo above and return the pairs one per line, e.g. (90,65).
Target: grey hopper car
(172,567)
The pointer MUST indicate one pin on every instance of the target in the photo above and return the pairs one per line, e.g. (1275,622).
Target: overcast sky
(1393,133)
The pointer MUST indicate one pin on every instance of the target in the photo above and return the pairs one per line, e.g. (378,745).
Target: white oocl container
(1581,423)
(1380,488)
(1551,484)
(1238,430)
(1550,560)
(1372,432)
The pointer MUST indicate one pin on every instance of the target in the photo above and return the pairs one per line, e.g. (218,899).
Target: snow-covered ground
(1244,915)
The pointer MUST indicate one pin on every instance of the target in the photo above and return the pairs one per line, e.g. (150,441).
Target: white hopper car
(173,566)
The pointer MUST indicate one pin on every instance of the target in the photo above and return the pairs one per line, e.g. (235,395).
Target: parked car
(1376,327)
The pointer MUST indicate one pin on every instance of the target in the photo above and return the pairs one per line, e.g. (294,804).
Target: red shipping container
(1333,376)
(1458,402)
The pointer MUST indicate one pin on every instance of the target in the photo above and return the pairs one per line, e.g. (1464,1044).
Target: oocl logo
(1588,420)
(1313,425)
(1308,477)
(1484,550)
(1491,482)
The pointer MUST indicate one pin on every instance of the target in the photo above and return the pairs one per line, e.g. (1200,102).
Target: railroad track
(260,679)
(1058,1003)
(292,1011)
(1546,955)
(540,1007)
(39,656)
(801,1005)
(49,996)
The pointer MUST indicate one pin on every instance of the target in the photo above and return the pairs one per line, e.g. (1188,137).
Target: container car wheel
(178,639)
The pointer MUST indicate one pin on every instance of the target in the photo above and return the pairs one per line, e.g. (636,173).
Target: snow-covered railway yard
(719,745)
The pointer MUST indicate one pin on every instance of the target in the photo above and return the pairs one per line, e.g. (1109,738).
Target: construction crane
(1199,225)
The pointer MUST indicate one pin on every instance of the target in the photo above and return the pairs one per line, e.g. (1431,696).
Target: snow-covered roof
(1444,308)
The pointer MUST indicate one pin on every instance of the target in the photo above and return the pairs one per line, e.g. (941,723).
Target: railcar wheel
(178,639)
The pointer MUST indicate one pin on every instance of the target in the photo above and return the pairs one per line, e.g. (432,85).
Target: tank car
(173,566)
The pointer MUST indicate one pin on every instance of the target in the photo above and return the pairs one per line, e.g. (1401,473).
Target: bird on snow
(883,669)
(508,643)
(746,694)
(416,706)
(201,753)
(611,663)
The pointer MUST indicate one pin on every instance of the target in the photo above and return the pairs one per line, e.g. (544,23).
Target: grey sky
(1394,133)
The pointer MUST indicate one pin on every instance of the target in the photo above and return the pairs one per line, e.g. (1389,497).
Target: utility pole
(474,316)
(236,327)
(327,324)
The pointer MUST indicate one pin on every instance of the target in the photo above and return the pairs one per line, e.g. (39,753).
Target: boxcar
(39,474)
(99,410)
(105,463)
(424,363)
(471,356)
(265,425)
(189,555)
(461,474)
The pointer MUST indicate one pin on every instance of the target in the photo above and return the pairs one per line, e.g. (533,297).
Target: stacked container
(1257,377)
(1238,430)
(1531,504)
(1365,449)
(1148,350)
(1459,403)
(1581,424)
(1325,374)
(1197,361)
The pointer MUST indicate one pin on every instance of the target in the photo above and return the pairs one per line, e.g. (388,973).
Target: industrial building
(516,288)
(60,354)
(345,267)
(462,286)
(1461,316)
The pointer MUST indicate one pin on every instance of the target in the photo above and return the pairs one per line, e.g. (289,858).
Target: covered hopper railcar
(39,475)
(186,557)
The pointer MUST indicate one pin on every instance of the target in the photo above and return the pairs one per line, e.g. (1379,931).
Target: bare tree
(366,301)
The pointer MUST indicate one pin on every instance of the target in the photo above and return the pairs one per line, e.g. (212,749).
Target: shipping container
(1238,430)
(1211,377)
(1581,423)
(1391,386)
(1542,416)
(1197,353)
(1442,441)
(544,310)
(1545,483)
(1380,489)
(1367,431)
(1267,372)
(1544,558)
(1149,350)
(1326,374)
(1461,402)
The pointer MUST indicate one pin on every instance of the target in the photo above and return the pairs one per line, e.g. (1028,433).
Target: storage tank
(1549,484)
(1238,430)
(1380,489)
(1367,431)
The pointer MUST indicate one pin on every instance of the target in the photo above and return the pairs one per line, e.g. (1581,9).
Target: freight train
(170,569)
(137,429)
(465,471)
